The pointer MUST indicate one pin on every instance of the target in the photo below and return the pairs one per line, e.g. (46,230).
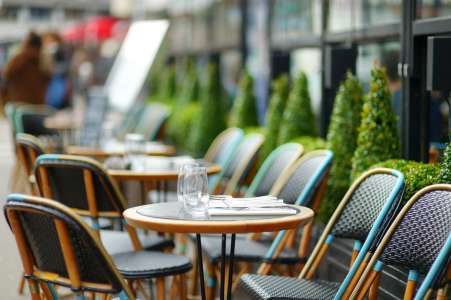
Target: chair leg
(212,279)
(194,277)
(160,288)
(21,285)
(34,290)
(182,287)
(374,288)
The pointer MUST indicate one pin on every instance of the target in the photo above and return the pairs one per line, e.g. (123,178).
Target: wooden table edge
(94,152)
(245,226)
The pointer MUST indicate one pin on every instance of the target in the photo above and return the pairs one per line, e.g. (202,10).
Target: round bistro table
(158,150)
(171,217)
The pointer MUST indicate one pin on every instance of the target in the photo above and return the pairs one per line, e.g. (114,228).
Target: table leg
(201,267)
(223,266)
(231,258)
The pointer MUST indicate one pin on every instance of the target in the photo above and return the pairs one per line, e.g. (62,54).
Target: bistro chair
(240,165)
(28,148)
(274,165)
(303,183)
(152,120)
(130,120)
(367,208)
(414,241)
(84,186)
(57,248)
(30,119)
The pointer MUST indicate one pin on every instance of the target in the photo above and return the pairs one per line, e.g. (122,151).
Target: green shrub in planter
(298,118)
(342,141)
(445,171)
(378,134)
(255,129)
(178,133)
(212,116)
(277,103)
(244,110)
(182,125)
(310,143)
(417,175)
(168,84)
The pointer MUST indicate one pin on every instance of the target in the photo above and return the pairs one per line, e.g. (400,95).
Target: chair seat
(279,287)
(104,223)
(246,250)
(150,264)
(119,241)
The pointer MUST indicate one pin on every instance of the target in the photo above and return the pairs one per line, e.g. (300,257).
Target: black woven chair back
(301,176)
(66,180)
(364,206)
(281,160)
(245,154)
(37,218)
(30,119)
(422,232)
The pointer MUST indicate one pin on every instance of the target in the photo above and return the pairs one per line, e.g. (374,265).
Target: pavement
(10,265)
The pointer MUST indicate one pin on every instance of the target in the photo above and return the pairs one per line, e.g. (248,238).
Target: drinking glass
(135,150)
(181,179)
(195,190)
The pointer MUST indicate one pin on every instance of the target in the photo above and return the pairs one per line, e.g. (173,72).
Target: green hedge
(378,133)
(298,118)
(168,89)
(445,171)
(417,175)
(182,125)
(310,143)
(212,116)
(277,103)
(342,141)
(244,110)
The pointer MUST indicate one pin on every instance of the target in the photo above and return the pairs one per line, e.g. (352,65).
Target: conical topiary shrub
(378,133)
(244,110)
(445,167)
(179,122)
(167,90)
(212,116)
(298,118)
(274,115)
(342,141)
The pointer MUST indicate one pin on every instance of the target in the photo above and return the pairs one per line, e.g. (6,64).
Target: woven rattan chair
(239,165)
(28,148)
(151,121)
(413,241)
(58,248)
(361,216)
(273,166)
(30,119)
(302,184)
(83,185)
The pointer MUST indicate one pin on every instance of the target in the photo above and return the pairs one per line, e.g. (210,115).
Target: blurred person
(25,78)
(59,91)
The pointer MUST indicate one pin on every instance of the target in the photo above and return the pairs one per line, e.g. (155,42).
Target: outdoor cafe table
(152,148)
(170,217)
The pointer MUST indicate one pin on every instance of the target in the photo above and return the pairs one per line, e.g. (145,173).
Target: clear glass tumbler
(195,190)
(135,150)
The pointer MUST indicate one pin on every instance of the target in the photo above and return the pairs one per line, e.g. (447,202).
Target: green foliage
(244,110)
(310,143)
(168,82)
(445,171)
(274,115)
(298,118)
(378,134)
(417,175)
(256,129)
(179,123)
(212,116)
(342,141)
(181,126)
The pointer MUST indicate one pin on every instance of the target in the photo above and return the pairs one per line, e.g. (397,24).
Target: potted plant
(244,110)
(298,118)
(342,141)
(378,134)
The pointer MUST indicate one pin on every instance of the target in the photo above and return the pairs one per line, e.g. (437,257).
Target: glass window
(354,14)
(433,8)
(226,24)
(294,18)
(309,61)
(386,55)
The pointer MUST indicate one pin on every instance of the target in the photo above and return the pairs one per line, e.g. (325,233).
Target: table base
(223,267)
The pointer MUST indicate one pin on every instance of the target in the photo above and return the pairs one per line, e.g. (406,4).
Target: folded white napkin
(230,202)
(254,211)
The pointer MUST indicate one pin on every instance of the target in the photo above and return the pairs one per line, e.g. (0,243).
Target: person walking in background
(25,78)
